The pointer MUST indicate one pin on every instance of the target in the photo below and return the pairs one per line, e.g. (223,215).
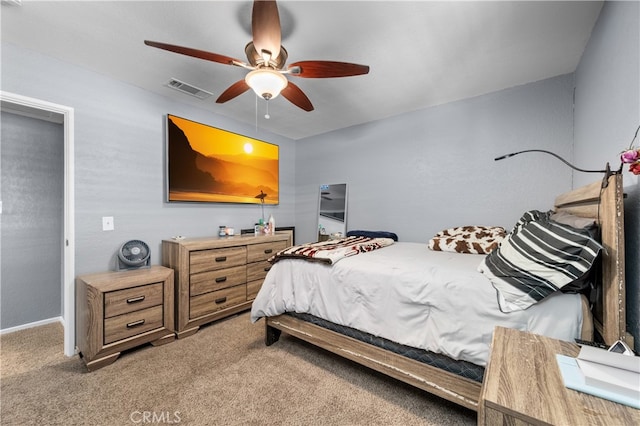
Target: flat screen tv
(207,164)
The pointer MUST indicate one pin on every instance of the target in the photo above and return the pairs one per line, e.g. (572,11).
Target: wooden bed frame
(602,200)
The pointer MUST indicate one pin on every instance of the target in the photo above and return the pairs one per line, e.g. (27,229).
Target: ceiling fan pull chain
(267,116)
(256,113)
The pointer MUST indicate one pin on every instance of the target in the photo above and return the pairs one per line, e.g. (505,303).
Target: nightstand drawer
(210,260)
(264,251)
(216,300)
(127,325)
(205,282)
(257,270)
(132,299)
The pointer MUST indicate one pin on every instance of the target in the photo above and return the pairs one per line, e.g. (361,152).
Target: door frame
(68,254)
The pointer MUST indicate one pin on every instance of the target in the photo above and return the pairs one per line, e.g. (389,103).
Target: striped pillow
(538,257)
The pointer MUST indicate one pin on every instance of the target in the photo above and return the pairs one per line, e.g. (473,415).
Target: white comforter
(411,295)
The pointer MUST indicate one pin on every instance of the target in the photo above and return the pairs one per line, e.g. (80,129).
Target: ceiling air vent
(188,89)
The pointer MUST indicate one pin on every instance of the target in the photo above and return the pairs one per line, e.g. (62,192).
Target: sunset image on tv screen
(208,164)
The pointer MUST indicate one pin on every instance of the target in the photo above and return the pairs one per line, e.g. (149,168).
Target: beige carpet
(222,375)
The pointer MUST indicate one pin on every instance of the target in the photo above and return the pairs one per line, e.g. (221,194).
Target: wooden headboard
(603,201)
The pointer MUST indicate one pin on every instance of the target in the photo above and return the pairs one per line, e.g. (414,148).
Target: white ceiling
(421,53)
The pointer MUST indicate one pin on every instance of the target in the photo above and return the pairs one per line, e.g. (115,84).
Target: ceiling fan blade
(265,27)
(236,89)
(297,97)
(326,69)
(196,53)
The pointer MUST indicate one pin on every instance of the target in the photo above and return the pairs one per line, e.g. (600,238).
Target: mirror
(332,211)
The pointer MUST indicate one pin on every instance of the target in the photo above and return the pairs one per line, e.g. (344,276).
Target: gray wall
(421,172)
(607,114)
(413,174)
(32,227)
(119,160)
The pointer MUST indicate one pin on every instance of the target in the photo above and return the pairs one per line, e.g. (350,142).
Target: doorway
(36,108)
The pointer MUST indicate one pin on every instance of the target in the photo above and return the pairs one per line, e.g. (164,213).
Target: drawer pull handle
(267,269)
(221,259)
(135,299)
(221,279)
(267,251)
(135,323)
(221,300)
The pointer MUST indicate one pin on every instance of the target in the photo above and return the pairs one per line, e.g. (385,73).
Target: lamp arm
(553,154)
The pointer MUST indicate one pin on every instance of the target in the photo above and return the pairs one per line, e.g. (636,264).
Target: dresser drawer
(263,251)
(210,260)
(132,299)
(257,270)
(205,282)
(253,287)
(127,325)
(216,300)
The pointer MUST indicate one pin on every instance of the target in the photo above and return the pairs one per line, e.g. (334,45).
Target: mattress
(408,294)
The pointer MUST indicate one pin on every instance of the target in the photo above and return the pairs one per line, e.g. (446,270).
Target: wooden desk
(523,385)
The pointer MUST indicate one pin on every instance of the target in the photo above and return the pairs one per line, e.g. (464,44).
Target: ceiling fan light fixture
(266,83)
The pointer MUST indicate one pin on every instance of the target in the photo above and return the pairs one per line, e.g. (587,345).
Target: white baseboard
(32,324)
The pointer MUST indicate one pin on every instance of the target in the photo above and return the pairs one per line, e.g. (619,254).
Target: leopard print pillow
(468,239)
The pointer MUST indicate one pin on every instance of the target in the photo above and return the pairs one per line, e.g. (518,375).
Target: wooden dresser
(120,310)
(218,276)
(523,386)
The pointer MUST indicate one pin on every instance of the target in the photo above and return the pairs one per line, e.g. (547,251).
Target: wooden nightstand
(121,310)
(523,385)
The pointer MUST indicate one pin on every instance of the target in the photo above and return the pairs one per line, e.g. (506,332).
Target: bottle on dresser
(272,225)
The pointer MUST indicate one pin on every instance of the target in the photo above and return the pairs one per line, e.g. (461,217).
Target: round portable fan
(134,254)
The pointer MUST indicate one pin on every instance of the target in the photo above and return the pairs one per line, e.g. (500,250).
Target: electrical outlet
(107,223)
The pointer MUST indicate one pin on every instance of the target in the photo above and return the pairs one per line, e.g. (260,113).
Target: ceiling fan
(267,59)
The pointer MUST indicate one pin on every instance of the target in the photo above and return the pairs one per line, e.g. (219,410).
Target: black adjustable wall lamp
(607,171)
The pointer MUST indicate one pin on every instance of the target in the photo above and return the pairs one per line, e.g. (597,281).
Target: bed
(449,363)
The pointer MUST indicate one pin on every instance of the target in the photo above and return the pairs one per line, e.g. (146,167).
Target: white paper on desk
(610,378)
(611,371)
(602,356)
(574,379)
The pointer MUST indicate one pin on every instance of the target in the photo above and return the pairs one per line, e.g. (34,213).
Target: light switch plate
(107,223)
